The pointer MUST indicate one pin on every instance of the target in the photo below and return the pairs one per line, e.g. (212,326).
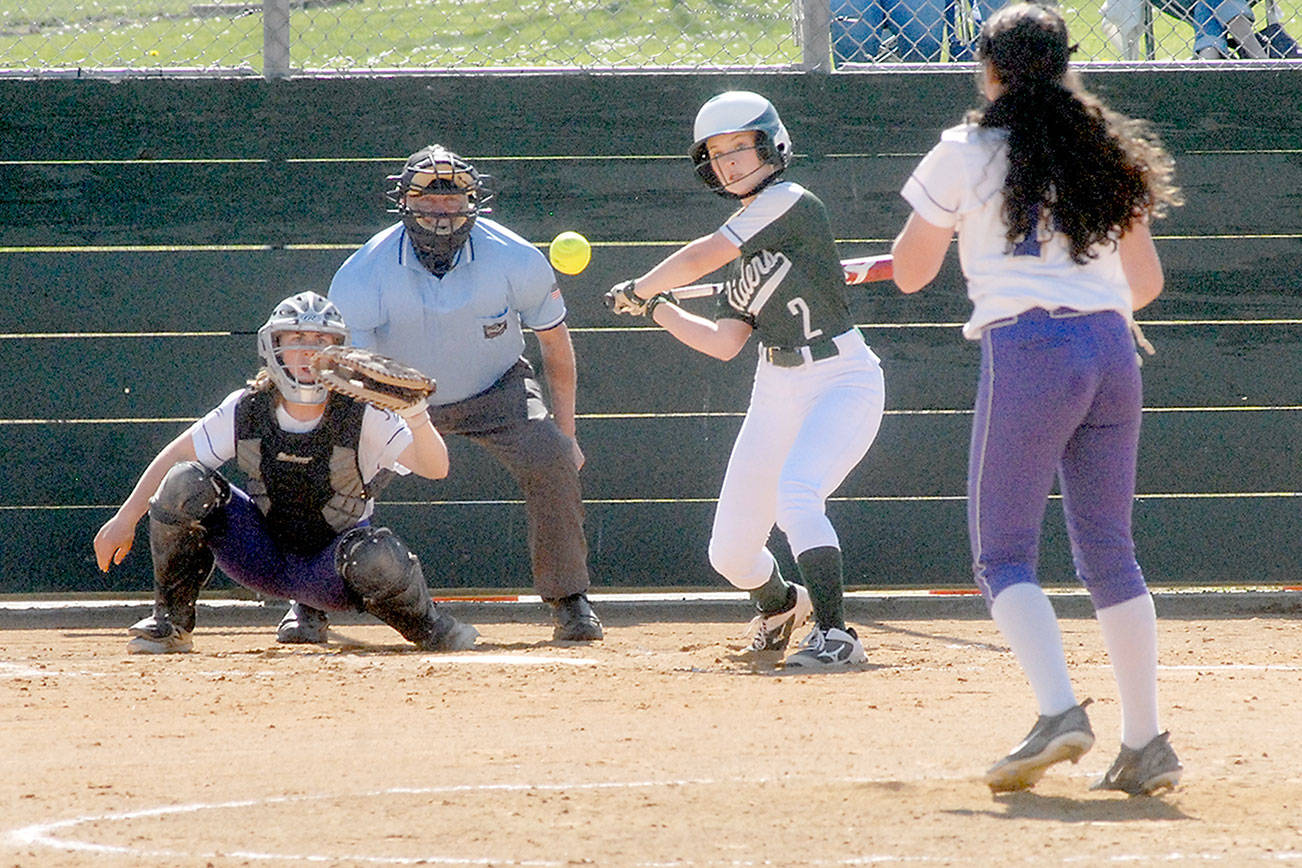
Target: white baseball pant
(805,430)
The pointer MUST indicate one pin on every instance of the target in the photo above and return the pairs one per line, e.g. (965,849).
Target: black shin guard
(380,569)
(821,569)
(182,566)
(182,561)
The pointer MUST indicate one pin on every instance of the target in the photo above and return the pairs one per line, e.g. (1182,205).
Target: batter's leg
(747,507)
(842,414)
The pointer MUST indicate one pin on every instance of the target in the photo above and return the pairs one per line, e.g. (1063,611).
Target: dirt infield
(653,748)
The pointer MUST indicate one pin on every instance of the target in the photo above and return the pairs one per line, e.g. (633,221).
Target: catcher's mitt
(373,378)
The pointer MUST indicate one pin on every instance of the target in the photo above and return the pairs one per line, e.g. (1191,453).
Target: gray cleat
(1145,771)
(155,635)
(829,650)
(449,634)
(303,625)
(1065,736)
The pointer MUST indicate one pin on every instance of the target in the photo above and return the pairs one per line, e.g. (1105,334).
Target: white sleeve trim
(768,206)
(916,194)
(213,436)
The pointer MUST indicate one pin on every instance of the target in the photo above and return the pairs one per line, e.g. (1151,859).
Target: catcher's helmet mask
(733,112)
(437,234)
(304,312)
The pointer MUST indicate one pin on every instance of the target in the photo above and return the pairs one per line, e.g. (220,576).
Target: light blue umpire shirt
(465,329)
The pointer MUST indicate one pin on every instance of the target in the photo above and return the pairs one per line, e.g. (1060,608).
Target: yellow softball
(569,253)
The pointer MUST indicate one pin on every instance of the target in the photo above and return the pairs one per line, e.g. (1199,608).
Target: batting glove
(621,299)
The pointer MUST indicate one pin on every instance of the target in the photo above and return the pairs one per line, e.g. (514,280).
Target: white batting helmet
(734,112)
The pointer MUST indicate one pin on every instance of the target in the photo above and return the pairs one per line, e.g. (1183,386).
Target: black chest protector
(308,486)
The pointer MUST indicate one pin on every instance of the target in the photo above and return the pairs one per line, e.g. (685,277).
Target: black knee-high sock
(821,569)
(772,596)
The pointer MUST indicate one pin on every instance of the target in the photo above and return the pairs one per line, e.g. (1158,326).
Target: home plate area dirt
(659,746)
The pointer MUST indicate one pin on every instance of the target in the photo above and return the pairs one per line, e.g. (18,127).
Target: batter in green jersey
(819,393)
(787,284)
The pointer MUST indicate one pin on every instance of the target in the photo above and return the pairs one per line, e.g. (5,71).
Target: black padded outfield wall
(146,228)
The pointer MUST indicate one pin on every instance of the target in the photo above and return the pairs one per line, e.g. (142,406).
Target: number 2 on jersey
(798,307)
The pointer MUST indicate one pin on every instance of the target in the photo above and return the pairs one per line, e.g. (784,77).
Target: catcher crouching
(315,444)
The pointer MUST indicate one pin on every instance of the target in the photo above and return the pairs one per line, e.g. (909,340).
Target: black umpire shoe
(575,620)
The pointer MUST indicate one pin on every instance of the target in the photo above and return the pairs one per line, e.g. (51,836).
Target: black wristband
(655,301)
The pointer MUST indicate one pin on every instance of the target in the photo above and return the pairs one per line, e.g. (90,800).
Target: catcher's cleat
(449,634)
(1145,771)
(1054,738)
(575,619)
(772,631)
(303,625)
(828,650)
(154,635)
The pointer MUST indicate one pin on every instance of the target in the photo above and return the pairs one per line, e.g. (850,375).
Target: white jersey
(959,184)
(384,437)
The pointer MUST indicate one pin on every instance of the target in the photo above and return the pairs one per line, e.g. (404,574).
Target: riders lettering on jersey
(760,277)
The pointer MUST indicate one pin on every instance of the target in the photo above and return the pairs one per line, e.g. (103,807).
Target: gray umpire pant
(511,421)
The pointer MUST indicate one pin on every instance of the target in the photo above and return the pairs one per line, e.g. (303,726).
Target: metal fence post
(815,41)
(1150,49)
(275,39)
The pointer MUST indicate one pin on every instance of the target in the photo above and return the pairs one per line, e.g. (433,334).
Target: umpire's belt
(794,357)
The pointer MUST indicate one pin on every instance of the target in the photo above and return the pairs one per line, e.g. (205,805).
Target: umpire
(451,292)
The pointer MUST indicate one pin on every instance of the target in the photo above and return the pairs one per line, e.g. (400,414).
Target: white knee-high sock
(1130,635)
(1027,620)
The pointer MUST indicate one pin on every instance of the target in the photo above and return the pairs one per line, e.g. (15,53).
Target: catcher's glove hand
(375,379)
(620,299)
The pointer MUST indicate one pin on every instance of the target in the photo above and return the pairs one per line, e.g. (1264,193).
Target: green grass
(379,34)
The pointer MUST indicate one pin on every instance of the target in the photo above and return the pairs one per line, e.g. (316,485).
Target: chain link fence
(278,38)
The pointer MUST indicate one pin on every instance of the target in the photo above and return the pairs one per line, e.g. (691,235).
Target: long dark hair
(1091,170)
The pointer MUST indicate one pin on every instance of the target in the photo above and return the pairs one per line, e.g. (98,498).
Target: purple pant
(241,546)
(1059,394)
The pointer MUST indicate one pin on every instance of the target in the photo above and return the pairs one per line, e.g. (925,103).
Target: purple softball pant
(1060,393)
(241,546)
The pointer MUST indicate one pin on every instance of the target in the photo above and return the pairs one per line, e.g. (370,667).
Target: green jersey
(787,284)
